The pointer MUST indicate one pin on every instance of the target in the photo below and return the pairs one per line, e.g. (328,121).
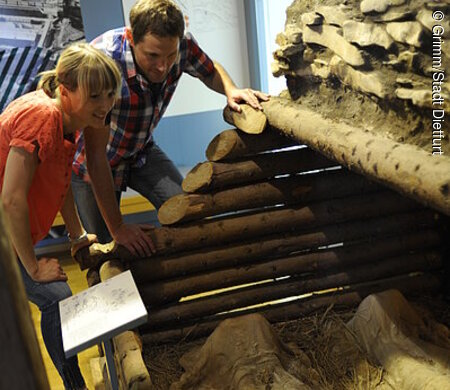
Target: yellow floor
(77,282)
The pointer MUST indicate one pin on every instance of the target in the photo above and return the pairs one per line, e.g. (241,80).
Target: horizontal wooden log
(282,191)
(409,285)
(227,230)
(162,267)
(208,176)
(245,297)
(222,231)
(407,169)
(321,261)
(249,120)
(232,144)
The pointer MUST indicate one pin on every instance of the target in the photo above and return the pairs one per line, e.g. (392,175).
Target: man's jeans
(158,180)
(46,297)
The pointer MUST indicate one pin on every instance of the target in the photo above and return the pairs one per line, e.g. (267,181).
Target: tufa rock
(425,17)
(394,15)
(329,37)
(411,33)
(334,15)
(365,82)
(312,19)
(420,98)
(367,34)
(378,6)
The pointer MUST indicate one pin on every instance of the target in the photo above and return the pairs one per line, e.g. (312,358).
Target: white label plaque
(100,313)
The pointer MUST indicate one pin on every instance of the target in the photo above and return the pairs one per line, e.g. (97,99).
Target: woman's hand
(48,270)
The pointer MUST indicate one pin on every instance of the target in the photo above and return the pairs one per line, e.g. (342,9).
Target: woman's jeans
(46,297)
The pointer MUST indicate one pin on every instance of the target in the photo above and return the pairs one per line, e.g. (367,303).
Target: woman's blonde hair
(82,66)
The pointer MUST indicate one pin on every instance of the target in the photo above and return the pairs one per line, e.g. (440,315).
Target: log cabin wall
(284,231)
(287,225)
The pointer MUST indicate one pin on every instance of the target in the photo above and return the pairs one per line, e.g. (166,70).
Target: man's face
(155,55)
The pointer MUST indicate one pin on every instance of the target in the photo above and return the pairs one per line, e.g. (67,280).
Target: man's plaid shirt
(134,116)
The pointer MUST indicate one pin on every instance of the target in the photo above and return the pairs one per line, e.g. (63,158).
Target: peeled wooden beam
(208,176)
(405,168)
(286,190)
(172,290)
(207,259)
(221,231)
(231,144)
(249,120)
(410,285)
(237,228)
(244,297)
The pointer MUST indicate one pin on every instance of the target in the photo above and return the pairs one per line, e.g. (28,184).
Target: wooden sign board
(100,313)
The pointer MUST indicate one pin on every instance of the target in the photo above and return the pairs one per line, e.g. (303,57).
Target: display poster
(32,35)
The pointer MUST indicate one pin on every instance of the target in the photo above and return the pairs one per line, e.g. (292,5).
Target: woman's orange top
(31,120)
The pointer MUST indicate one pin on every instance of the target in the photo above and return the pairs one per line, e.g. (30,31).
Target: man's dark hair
(159,17)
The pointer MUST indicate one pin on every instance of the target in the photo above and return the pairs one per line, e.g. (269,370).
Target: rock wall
(378,64)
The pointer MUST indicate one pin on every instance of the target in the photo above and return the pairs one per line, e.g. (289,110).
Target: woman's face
(91,110)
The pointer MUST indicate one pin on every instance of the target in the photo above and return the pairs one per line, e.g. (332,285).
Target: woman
(36,153)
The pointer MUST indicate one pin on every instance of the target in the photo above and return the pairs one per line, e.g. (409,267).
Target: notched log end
(249,120)
(199,178)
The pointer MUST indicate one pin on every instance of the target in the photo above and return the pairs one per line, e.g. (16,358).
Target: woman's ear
(64,97)
(63,91)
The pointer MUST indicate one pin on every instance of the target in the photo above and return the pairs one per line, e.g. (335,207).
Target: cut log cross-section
(231,144)
(289,190)
(210,176)
(249,120)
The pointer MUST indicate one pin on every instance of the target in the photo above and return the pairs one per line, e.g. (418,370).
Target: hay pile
(323,337)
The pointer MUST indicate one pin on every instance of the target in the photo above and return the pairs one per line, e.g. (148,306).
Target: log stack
(269,225)
(276,227)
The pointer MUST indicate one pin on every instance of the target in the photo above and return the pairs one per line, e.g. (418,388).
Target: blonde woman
(36,153)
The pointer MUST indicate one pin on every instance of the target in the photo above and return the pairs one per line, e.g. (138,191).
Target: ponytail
(49,82)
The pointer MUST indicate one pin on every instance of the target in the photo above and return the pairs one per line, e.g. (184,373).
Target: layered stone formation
(378,64)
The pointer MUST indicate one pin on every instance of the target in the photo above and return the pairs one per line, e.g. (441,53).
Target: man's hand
(249,96)
(48,270)
(134,238)
(75,247)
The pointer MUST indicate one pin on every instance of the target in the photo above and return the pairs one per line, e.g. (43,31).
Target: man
(152,56)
